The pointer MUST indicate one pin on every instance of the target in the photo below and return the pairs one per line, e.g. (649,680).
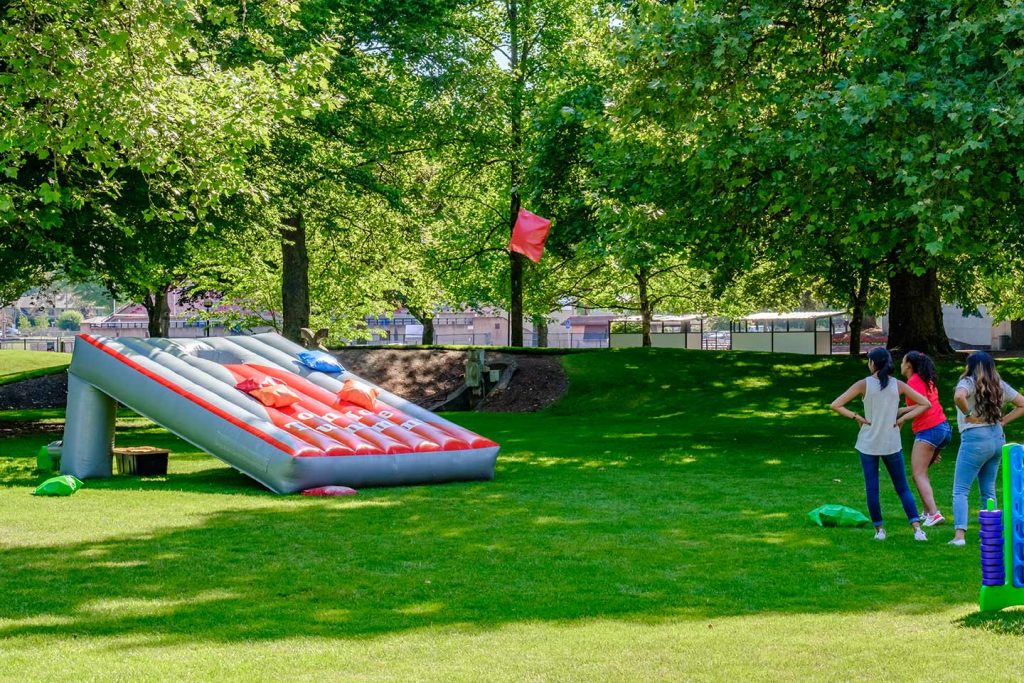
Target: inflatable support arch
(188,386)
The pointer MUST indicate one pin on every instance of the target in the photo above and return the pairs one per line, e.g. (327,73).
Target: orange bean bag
(358,394)
(275,395)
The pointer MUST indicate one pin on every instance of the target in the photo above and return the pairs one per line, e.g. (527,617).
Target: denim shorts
(938,436)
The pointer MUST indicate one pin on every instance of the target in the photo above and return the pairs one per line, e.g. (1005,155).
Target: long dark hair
(882,360)
(988,390)
(923,367)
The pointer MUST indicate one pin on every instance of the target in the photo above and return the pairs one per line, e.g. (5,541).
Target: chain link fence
(26,343)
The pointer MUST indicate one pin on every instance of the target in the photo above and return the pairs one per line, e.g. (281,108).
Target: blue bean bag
(318,360)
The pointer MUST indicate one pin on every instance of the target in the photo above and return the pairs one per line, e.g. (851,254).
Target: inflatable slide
(289,418)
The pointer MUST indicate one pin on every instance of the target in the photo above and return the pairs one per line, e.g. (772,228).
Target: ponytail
(923,367)
(882,360)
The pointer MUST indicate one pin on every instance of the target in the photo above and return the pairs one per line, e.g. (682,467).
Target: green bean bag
(837,515)
(63,485)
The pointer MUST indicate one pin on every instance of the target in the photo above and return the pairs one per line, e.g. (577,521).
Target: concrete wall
(751,341)
(675,340)
(794,342)
(972,329)
(823,343)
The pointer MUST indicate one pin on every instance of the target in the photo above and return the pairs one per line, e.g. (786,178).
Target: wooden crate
(143,461)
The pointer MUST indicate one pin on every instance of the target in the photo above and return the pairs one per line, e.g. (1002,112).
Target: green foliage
(827,139)
(69,320)
(41,322)
(121,133)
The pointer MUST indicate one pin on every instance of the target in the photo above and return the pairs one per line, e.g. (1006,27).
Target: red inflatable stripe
(324,419)
(451,437)
(195,399)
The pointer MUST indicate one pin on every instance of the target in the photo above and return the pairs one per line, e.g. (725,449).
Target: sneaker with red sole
(933,520)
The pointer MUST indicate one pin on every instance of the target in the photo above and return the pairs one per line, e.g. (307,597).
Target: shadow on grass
(475,555)
(1005,622)
(660,505)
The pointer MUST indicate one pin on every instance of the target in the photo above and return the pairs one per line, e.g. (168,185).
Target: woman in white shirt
(879,436)
(979,397)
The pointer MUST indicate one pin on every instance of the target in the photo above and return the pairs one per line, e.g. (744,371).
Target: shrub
(69,320)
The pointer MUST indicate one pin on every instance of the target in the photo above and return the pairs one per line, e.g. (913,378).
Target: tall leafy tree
(120,134)
(847,140)
(517,58)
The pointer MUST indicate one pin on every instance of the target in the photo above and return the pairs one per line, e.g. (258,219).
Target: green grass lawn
(650,526)
(16,365)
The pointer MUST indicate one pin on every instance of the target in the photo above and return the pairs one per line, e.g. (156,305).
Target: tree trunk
(426,318)
(645,307)
(515,175)
(428,329)
(860,300)
(540,327)
(915,314)
(294,277)
(158,312)
(1017,335)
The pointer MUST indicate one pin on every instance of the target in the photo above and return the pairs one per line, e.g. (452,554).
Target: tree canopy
(321,161)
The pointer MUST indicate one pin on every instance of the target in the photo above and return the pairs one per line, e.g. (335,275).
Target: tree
(866,132)
(120,129)
(513,59)
(69,321)
(338,164)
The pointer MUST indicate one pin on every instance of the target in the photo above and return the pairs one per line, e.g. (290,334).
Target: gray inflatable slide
(256,403)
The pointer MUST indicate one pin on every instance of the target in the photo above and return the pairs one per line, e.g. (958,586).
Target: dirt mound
(538,381)
(426,376)
(422,376)
(49,391)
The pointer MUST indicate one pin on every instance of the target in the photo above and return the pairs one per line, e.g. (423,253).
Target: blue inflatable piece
(318,360)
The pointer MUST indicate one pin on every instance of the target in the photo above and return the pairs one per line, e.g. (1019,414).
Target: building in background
(567,328)
(970,330)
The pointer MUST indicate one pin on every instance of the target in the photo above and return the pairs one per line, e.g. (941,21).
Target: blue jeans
(981,450)
(898,475)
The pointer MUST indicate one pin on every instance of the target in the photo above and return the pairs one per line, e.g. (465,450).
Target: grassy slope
(650,526)
(18,365)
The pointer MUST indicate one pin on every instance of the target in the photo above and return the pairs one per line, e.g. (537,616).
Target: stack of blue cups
(993,563)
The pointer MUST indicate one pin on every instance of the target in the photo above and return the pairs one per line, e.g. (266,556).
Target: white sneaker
(958,542)
(919,535)
(933,520)
(880,534)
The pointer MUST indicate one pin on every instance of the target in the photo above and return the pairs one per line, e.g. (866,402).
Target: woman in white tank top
(879,436)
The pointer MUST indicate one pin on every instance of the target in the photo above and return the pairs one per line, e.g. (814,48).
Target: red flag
(529,235)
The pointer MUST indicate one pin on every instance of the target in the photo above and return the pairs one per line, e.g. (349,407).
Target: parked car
(12,331)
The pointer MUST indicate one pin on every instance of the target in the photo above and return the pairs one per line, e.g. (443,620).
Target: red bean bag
(330,491)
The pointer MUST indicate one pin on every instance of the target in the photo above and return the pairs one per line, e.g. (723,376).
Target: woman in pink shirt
(931,430)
